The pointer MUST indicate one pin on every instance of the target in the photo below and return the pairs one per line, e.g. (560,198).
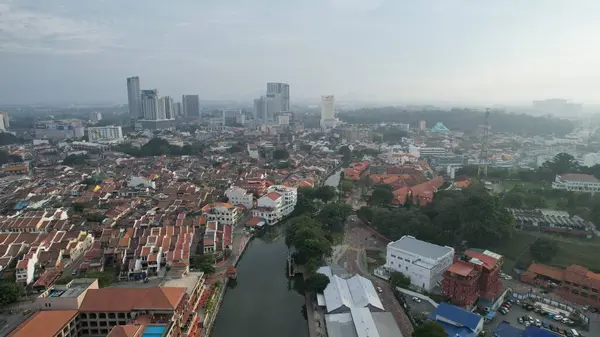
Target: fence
(553,303)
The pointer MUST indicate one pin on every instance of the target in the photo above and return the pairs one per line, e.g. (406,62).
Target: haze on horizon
(510,51)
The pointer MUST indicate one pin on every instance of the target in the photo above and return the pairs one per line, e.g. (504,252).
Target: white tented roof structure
(342,295)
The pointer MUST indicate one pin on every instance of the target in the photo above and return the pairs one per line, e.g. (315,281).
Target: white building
(224,213)
(591,159)
(278,202)
(398,154)
(283,119)
(134,98)
(169,107)
(4,121)
(95,116)
(150,104)
(239,196)
(577,182)
(432,151)
(105,133)
(59,129)
(423,262)
(327,111)
(342,295)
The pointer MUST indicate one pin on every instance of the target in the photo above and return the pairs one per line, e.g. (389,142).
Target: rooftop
(44,324)
(102,300)
(188,282)
(422,248)
(580,177)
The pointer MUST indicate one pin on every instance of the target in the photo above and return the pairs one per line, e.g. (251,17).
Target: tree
(399,280)
(346,153)
(334,215)
(381,196)
(306,235)
(346,186)
(429,329)
(316,283)
(562,163)
(9,292)
(281,154)
(543,250)
(204,263)
(75,159)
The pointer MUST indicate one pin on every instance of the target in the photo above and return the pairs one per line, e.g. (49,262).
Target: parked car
(379,290)
(520,320)
(416,299)
(545,324)
(503,311)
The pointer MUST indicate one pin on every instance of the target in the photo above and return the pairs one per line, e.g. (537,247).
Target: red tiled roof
(102,300)
(461,268)
(273,195)
(44,324)
(548,271)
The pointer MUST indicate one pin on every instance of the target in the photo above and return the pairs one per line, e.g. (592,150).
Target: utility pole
(482,168)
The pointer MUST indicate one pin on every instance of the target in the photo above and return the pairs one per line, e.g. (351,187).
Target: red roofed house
(474,275)
(576,283)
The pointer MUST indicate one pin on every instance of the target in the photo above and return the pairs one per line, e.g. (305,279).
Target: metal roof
(355,292)
(422,248)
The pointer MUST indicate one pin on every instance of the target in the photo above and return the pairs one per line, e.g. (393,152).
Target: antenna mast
(482,169)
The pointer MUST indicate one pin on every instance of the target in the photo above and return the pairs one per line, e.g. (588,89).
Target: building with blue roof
(439,127)
(504,329)
(533,331)
(456,321)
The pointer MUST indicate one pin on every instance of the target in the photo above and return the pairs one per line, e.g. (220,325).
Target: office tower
(282,89)
(150,104)
(177,109)
(133,97)
(169,108)
(162,108)
(260,109)
(275,105)
(327,111)
(191,105)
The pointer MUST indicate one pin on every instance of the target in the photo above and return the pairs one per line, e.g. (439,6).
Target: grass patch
(375,258)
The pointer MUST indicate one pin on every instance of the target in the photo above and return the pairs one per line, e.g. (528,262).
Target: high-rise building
(327,111)
(282,89)
(260,109)
(274,105)
(422,125)
(5,121)
(110,132)
(191,105)
(169,107)
(133,97)
(177,109)
(150,104)
(95,116)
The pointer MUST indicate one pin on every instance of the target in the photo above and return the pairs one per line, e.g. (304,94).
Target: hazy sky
(403,50)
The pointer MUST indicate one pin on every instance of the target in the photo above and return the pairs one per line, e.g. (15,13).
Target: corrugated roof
(457,315)
(355,292)
(421,248)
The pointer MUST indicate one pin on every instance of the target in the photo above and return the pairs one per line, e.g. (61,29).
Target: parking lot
(517,311)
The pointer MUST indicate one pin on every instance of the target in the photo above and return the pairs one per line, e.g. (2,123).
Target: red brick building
(576,283)
(474,275)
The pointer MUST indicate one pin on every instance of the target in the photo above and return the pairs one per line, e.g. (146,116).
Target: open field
(572,250)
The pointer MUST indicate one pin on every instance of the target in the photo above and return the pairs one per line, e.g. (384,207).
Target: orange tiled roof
(129,330)
(548,271)
(102,300)
(273,195)
(44,324)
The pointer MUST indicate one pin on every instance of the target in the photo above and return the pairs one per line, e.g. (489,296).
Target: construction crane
(482,168)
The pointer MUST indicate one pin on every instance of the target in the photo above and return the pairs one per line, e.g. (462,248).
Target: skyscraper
(327,111)
(275,105)
(191,105)
(169,108)
(260,109)
(282,89)
(133,97)
(177,109)
(150,104)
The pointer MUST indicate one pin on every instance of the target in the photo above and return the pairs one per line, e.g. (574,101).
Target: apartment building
(289,195)
(105,133)
(472,276)
(576,182)
(423,262)
(225,213)
(239,196)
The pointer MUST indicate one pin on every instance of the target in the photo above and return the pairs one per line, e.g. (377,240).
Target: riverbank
(223,283)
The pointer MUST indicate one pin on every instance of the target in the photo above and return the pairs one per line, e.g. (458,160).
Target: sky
(415,51)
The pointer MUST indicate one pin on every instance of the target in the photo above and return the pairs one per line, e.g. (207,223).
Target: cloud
(355,6)
(27,31)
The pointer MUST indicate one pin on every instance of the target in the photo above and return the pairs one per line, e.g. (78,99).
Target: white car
(416,299)
(379,290)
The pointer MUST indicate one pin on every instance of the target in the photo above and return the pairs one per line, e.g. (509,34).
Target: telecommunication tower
(482,169)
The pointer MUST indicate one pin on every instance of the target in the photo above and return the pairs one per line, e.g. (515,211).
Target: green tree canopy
(316,283)
(381,196)
(306,235)
(429,329)
(543,250)
(9,292)
(399,280)
(334,215)
(204,263)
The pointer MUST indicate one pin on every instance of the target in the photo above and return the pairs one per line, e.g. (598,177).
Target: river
(263,302)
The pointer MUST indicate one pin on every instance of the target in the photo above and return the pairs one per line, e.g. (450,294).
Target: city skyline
(382,51)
